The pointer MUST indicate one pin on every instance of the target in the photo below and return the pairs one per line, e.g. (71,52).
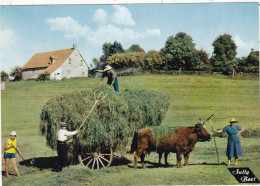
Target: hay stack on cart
(113,120)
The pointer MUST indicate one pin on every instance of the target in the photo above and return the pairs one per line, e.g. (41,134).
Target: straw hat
(63,124)
(107,68)
(13,133)
(233,120)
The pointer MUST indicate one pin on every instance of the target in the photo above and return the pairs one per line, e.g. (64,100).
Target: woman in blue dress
(234,148)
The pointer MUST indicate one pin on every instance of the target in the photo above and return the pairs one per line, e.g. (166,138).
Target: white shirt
(63,133)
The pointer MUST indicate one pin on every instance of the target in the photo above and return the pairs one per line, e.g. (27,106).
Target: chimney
(74,46)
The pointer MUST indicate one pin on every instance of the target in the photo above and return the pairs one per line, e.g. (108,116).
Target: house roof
(39,60)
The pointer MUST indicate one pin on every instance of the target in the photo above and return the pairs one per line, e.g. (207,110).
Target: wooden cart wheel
(96,160)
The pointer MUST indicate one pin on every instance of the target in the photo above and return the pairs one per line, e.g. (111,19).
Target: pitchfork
(97,99)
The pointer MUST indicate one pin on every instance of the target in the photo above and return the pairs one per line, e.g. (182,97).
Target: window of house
(83,73)
(81,62)
(69,60)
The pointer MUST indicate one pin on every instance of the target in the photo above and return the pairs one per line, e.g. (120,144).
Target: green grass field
(191,97)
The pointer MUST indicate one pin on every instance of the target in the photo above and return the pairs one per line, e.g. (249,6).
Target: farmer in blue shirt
(234,148)
(111,77)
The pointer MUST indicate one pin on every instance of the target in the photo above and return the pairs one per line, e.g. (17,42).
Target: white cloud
(7,38)
(69,26)
(104,33)
(122,16)
(100,16)
(242,44)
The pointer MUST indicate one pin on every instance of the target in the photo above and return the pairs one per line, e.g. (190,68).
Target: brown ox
(182,141)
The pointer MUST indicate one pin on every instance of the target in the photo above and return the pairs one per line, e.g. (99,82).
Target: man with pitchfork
(62,136)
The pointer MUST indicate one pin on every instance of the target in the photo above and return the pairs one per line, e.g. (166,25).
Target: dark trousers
(62,156)
(115,85)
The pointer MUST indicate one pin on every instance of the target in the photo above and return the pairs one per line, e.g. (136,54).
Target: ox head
(203,135)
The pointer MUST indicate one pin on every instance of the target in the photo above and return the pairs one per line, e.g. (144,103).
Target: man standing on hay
(111,78)
(62,140)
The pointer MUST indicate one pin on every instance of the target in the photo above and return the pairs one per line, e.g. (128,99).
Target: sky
(26,30)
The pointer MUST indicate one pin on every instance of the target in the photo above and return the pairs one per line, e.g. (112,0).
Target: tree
(4,76)
(204,63)
(16,73)
(110,49)
(130,59)
(180,51)
(117,48)
(153,60)
(135,48)
(224,53)
(253,59)
(96,62)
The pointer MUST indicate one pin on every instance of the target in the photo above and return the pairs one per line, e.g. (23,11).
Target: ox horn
(202,123)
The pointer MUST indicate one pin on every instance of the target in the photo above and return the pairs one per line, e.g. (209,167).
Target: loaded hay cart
(106,120)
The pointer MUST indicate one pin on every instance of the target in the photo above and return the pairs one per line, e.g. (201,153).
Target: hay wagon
(99,158)
(109,120)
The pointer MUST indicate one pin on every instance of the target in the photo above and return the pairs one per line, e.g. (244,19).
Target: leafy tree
(110,49)
(4,76)
(204,63)
(16,73)
(153,60)
(117,48)
(96,62)
(253,59)
(224,53)
(180,51)
(135,48)
(249,63)
(130,59)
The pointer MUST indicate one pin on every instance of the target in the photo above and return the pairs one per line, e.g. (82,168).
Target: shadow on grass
(52,162)
(205,163)
(152,165)
(10,174)
(41,162)
(118,161)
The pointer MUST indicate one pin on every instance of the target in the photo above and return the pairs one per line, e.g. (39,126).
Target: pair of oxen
(182,142)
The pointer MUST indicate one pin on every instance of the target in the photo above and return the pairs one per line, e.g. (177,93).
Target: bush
(248,133)
(43,77)
(16,73)
(4,76)
(251,133)
(111,123)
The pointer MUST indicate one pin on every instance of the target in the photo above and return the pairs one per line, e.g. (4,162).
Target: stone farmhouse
(66,63)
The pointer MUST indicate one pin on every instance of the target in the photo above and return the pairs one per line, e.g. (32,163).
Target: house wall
(57,74)
(72,69)
(32,73)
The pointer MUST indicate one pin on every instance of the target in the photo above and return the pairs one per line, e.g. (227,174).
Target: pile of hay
(111,123)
